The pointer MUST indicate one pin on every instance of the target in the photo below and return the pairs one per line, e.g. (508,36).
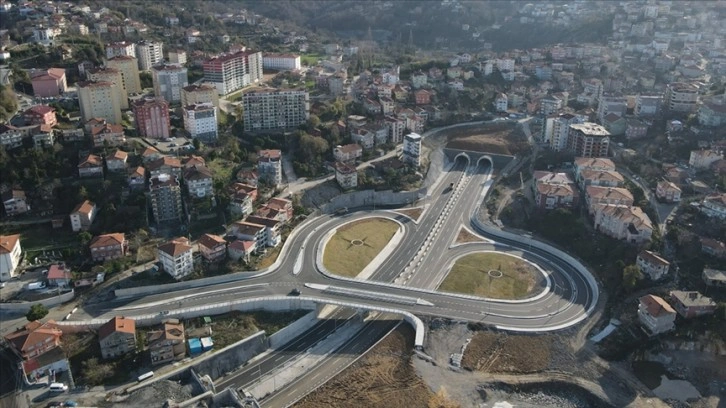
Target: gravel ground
(156,395)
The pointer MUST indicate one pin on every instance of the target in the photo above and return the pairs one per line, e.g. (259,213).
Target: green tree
(146,80)
(95,373)
(36,312)
(631,276)
(84,238)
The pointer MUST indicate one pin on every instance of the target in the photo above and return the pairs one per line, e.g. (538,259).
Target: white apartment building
(120,48)
(269,166)
(714,206)
(656,315)
(10,254)
(176,258)
(681,97)
(281,62)
(149,53)
(611,104)
(230,72)
(647,105)
(200,120)
(505,64)
(501,102)
(199,181)
(557,129)
(99,100)
(83,215)
(703,159)
(412,149)
(275,109)
(652,264)
(169,81)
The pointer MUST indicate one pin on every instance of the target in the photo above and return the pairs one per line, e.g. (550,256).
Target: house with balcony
(40,115)
(90,166)
(241,203)
(117,161)
(199,181)
(10,255)
(282,206)
(667,191)
(714,277)
(713,247)
(166,344)
(600,178)
(137,178)
(165,165)
(83,215)
(15,202)
(271,236)
(703,159)
(176,258)
(240,249)
(117,337)
(347,153)
(34,339)
(346,175)
(248,231)
(656,315)
(59,276)
(108,134)
(714,206)
(652,264)
(212,247)
(623,222)
(690,304)
(107,247)
(595,195)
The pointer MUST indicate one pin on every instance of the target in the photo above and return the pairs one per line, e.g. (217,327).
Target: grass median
(355,245)
(492,275)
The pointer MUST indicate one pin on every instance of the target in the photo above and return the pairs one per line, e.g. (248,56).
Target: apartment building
(412,149)
(347,153)
(129,68)
(107,134)
(346,175)
(230,72)
(176,258)
(203,93)
(652,264)
(648,105)
(273,109)
(557,130)
(120,48)
(107,247)
(15,202)
(168,81)
(83,215)
(50,82)
(281,62)
(166,198)
(117,337)
(668,192)
(269,166)
(703,159)
(200,120)
(167,344)
(212,247)
(396,127)
(117,161)
(608,104)
(588,140)
(99,100)
(40,115)
(501,102)
(199,181)
(681,97)
(623,222)
(113,76)
(152,118)
(10,255)
(656,315)
(149,54)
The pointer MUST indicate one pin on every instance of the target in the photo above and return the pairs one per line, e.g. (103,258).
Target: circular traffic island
(356,244)
(493,275)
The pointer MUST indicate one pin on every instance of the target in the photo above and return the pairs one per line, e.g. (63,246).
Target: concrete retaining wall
(293,330)
(171,287)
(369,198)
(232,357)
(24,307)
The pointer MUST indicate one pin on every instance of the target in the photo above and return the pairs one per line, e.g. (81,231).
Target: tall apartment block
(129,72)
(114,76)
(681,97)
(200,120)
(99,100)
(588,140)
(269,166)
(166,199)
(149,53)
(275,109)
(120,48)
(203,93)
(230,72)
(557,130)
(412,149)
(169,81)
(152,118)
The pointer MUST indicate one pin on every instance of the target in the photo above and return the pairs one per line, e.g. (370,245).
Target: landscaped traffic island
(356,244)
(492,275)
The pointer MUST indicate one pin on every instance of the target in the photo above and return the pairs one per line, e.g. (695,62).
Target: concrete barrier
(172,287)
(24,307)
(293,330)
(371,198)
